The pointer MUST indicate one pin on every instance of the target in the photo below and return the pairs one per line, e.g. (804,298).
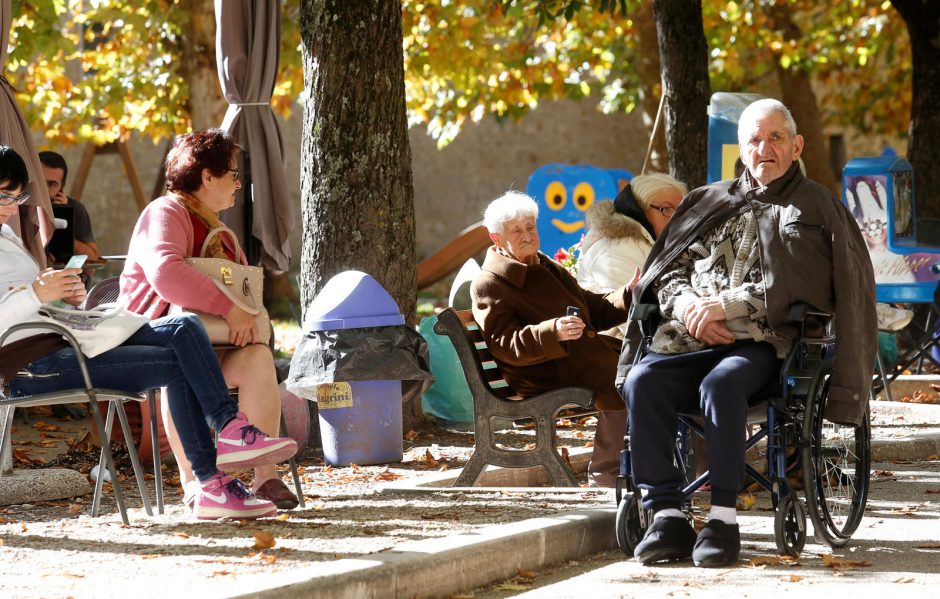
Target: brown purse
(240,283)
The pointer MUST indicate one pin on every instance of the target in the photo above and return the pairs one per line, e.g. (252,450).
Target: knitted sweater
(724,263)
(156,274)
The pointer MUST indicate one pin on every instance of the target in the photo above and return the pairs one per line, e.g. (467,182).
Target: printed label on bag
(334,395)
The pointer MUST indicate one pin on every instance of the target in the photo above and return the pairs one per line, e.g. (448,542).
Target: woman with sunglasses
(202,178)
(619,236)
(172,352)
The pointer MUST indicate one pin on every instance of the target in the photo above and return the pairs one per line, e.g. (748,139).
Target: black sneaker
(667,539)
(718,545)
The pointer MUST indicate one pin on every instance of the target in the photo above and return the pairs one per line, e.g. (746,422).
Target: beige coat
(516,306)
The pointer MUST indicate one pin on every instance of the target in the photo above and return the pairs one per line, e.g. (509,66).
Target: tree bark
(683,53)
(923,27)
(357,197)
(800,98)
(206,104)
(650,88)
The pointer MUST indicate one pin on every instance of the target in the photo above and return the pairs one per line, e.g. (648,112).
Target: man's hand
(715,333)
(59,198)
(701,312)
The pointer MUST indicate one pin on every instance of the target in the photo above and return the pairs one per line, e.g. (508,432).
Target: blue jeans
(172,352)
(719,380)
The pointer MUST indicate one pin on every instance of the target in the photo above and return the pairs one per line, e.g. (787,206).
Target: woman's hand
(569,328)
(242,327)
(65,284)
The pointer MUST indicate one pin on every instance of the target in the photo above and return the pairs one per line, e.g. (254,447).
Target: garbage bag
(364,354)
(448,397)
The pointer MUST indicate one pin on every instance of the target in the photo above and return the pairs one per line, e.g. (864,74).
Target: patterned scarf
(208,218)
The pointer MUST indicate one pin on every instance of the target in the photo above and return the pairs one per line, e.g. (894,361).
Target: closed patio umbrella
(34,225)
(248,40)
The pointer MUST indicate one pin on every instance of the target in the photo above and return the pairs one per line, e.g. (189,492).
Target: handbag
(240,283)
(98,330)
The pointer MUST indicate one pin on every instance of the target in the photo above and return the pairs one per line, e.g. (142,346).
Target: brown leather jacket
(811,251)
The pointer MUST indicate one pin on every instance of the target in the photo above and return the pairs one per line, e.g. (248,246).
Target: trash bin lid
(352,300)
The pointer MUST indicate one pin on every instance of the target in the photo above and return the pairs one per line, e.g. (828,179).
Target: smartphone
(76,261)
(573,311)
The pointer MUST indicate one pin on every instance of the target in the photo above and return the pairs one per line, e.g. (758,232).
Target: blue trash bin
(360,421)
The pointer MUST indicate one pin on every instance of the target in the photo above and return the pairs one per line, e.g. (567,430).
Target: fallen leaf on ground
(223,573)
(512,586)
(566,457)
(43,426)
(411,435)
(284,517)
(903,580)
(527,574)
(428,459)
(793,578)
(840,563)
(23,527)
(765,560)
(746,501)
(929,491)
(883,473)
(263,540)
(75,509)
(928,546)
(182,535)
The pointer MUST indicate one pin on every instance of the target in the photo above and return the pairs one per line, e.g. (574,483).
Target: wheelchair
(835,458)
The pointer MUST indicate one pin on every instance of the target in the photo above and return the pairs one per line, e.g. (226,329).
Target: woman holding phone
(172,352)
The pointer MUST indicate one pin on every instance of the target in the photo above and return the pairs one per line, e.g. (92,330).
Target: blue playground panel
(564,193)
(879,191)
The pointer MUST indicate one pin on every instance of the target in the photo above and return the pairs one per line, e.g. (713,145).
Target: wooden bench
(493,398)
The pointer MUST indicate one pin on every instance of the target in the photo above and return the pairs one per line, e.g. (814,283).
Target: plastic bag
(449,396)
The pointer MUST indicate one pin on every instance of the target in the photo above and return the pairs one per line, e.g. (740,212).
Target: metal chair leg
(135,461)
(155,446)
(6,447)
(293,467)
(880,363)
(107,459)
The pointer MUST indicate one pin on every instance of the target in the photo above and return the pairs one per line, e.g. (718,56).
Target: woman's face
(10,200)
(662,206)
(520,238)
(219,191)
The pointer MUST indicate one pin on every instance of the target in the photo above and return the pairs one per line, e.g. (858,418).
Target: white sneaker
(891,318)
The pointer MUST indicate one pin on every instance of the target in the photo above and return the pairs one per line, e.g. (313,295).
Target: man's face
(54,181)
(767,147)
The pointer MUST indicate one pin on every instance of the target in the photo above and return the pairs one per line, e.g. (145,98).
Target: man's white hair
(648,186)
(762,108)
(510,206)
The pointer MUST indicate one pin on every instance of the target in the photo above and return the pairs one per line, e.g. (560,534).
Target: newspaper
(80,320)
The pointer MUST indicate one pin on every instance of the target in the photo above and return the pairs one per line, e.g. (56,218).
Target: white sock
(728,515)
(668,513)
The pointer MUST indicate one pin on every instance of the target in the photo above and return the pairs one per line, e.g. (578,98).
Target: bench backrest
(472,346)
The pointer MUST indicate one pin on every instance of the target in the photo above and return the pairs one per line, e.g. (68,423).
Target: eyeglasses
(8,200)
(666,211)
(234,172)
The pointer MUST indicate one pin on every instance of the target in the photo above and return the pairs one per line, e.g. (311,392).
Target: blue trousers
(719,381)
(172,352)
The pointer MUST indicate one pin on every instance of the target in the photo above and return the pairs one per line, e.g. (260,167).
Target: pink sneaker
(225,497)
(241,445)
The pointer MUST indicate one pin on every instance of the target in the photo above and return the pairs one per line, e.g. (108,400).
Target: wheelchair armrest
(643,311)
(811,321)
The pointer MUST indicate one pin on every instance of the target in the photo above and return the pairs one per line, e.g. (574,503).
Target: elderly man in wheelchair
(721,281)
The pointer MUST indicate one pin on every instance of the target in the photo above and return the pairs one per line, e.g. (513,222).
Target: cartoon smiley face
(564,193)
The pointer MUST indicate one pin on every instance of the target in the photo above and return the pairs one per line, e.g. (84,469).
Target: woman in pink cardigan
(202,177)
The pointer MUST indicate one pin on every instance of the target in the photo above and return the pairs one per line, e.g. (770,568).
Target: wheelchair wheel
(836,469)
(629,530)
(790,526)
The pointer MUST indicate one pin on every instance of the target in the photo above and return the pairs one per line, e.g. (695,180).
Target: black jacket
(811,251)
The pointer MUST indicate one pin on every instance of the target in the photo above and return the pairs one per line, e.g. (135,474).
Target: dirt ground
(56,549)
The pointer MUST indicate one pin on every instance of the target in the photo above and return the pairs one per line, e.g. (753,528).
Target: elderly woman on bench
(542,327)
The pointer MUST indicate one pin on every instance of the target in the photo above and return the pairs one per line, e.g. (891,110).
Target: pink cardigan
(156,273)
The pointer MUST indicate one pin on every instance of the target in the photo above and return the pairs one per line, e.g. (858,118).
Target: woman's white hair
(510,206)
(761,108)
(646,187)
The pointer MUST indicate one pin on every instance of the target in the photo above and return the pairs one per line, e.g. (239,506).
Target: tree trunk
(923,27)
(206,104)
(650,88)
(684,57)
(357,202)
(800,98)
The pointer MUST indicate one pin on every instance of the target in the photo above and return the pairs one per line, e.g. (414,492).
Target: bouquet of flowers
(569,257)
